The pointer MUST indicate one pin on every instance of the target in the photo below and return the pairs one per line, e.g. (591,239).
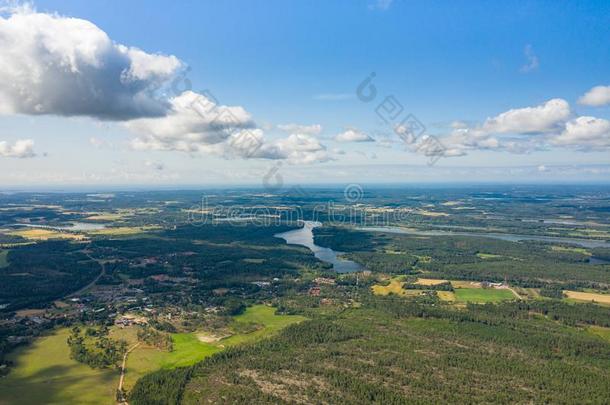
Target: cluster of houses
(130,320)
(315,290)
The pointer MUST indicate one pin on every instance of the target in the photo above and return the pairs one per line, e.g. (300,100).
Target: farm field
(448,296)
(483,295)
(105,216)
(261,315)
(429,281)
(45,373)
(394,287)
(465,284)
(488,256)
(45,234)
(588,297)
(123,230)
(188,350)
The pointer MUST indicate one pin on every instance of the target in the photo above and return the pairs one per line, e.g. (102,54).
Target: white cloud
(533,128)
(597,96)
(353,135)
(64,66)
(546,117)
(381,5)
(532,60)
(519,130)
(585,133)
(296,149)
(23,148)
(192,122)
(195,124)
(313,129)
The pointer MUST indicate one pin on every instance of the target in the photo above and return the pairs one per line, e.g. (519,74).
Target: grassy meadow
(483,295)
(189,349)
(44,373)
(579,296)
(37,234)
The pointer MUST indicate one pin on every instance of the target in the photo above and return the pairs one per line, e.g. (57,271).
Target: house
(314,291)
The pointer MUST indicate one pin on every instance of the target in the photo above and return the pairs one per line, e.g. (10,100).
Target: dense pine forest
(393,352)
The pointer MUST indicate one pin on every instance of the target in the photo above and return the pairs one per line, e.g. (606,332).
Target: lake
(304,237)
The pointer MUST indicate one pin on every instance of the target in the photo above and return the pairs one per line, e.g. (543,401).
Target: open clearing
(394,287)
(429,281)
(45,374)
(448,296)
(465,284)
(565,249)
(189,349)
(3,258)
(123,230)
(600,331)
(45,234)
(265,317)
(588,297)
(488,256)
(105,216)
(483,295)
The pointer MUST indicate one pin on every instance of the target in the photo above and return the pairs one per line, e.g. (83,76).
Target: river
(304,237)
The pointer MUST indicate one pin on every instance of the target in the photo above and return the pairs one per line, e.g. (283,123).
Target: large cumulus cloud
(56,65)
(523,130)
(51,64)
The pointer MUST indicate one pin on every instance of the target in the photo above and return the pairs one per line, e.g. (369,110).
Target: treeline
(155,338)
(446,286)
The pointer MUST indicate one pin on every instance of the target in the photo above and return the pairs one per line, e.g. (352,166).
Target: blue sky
(300,62)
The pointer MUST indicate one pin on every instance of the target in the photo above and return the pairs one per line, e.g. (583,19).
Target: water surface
(304,237)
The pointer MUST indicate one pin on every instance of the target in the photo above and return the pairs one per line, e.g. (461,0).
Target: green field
(188,349)
(482,295)
(3,258)
(489,256)
(264,316)
(45,374)
(600,331)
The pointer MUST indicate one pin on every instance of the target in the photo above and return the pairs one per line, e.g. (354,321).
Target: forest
(382,353)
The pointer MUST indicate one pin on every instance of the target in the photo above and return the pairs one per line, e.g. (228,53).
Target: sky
(272,93)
